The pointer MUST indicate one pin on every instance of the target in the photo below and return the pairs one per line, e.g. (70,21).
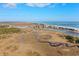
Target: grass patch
(9,30)
(5,32)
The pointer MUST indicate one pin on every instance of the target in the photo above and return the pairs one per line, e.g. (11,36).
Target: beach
(70,25)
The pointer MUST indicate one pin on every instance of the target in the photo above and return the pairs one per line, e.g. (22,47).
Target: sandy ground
(27,43)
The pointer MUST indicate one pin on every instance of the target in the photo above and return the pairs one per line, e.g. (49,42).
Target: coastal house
(39,26)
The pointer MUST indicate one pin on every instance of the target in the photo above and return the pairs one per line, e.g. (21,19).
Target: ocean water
(74,24)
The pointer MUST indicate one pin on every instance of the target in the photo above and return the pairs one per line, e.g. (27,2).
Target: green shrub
(70,38)
(77,41)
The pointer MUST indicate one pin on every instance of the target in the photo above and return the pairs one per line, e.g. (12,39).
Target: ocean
(62,23)
(73,24)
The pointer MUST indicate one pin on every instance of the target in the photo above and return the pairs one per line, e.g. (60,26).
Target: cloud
(10,5)
(38,4)
(50,5)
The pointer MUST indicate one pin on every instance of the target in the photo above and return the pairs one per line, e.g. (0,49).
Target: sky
(39,12)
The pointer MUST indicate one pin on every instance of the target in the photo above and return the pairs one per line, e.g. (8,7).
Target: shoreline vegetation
(35,39)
